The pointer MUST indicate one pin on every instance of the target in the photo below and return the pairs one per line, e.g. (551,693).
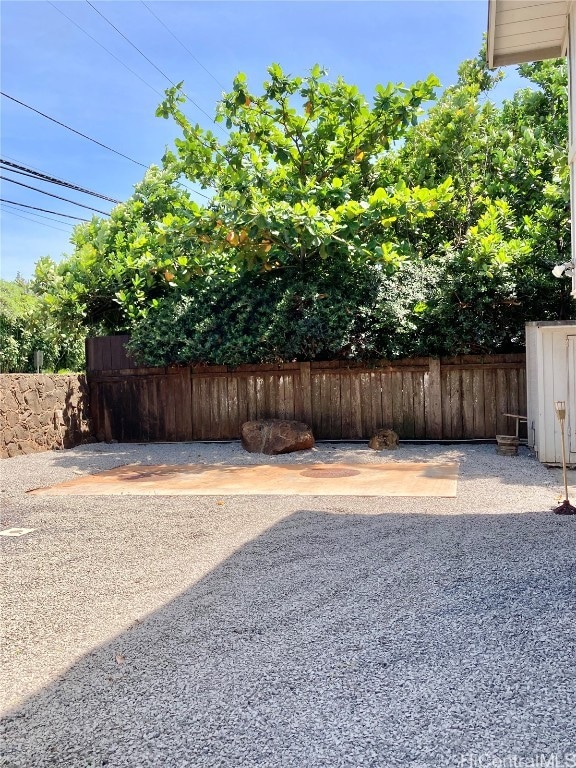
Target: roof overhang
(526,30)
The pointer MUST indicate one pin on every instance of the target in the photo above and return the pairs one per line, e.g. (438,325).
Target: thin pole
(565,473)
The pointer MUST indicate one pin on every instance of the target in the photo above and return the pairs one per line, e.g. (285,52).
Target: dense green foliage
(508,222)
(25,327)
(335,227)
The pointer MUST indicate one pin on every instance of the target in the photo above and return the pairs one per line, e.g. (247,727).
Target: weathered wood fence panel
(420,398)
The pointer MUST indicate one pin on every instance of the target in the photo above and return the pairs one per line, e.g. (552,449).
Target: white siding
(526,30)
(551,376)
(572,397)
(532,381)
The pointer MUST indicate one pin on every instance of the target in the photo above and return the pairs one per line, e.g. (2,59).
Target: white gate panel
(571,405)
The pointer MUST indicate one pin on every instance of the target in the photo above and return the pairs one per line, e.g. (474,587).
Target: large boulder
(384,439)
(273,436)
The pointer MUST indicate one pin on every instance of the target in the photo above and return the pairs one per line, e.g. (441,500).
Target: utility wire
(188,51)
(50,194)
(41,223)
(40,216)
(194,191)
(35,174)
(164,75)
(107,50)
(45,210)
(116,152)
(24,171)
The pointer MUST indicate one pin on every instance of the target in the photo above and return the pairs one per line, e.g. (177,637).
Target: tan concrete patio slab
(389,479)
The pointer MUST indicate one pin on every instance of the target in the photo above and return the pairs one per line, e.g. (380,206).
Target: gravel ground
(288,632)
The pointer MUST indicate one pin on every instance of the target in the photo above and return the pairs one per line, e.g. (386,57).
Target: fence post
(433,400)
(306,392)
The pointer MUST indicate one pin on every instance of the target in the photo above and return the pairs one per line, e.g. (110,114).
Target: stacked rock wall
(42,412)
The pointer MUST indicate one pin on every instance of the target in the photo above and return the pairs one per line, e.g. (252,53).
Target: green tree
(335,226)
(295,185)
(25,327)
(120,266)
(495,242)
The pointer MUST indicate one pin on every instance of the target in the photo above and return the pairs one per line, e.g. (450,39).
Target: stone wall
(42,412)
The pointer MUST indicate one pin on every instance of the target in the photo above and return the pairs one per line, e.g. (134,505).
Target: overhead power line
(24,171)
(41,216)
(106,49)
(157,68)
(107,20)
(79,133)
(50,194)
(45,210)
(41,223)
(188,51)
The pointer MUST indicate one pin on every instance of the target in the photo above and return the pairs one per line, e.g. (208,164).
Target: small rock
(384,439)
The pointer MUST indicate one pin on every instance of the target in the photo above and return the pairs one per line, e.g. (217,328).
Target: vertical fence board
(260,397)
(107,353)
(355,407)
(143,432)
(281,396)
(233,415)
(316,399)
(513,401)
(222,408)
(270,399)
(242,387)
(130,410)
(446,404)
(335,406)
(214,408)
(433,399)
(174,404)
(298,397)
(489,398)
(501,402)
(366,404)
(345,405)
(397,405)
(251,399)
(477,396)
(467,399)
(306,389)
(376,397)
(407,430)
(289,395)
(204,425)
(320,400)
(120,410)
(419,414)
(522,404)
(184,405)
(153,430)
(456,403)
(387,421)
(328,402)
(196,406)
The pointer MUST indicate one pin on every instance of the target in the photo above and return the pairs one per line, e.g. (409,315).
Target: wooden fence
(420,398)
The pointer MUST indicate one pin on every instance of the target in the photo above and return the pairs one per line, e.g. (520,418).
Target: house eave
(525,30)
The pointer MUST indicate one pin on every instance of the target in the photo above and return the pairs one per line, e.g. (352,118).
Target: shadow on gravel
(334,640)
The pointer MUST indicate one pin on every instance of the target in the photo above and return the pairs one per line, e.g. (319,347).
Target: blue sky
(50,64)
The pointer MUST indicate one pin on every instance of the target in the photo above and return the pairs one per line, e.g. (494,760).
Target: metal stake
(565,508)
